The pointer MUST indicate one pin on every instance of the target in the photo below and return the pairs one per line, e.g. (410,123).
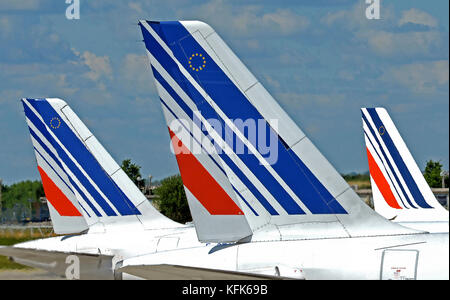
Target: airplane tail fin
(80,178)
(231,137)
(398,186)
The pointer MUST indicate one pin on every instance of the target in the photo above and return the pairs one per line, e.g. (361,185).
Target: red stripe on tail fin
(201,184)
(57,198)
(381,182)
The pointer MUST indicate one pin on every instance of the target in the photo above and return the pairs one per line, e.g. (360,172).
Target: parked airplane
(90,196)
(399,190)
(291,216)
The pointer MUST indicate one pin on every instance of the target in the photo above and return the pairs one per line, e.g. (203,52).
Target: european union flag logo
(197,62)
(55,123)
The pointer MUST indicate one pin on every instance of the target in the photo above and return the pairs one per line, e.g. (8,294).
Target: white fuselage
(419,256)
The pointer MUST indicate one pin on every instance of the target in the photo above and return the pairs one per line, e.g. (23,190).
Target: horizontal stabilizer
(170,272)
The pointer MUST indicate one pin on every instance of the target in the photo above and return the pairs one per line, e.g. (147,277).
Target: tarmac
(33,274)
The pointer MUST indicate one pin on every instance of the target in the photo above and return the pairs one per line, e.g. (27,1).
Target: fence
(441,195)
(37,230)
(22,213)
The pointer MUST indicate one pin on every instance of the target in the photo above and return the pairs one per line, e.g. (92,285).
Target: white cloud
(347,75)
(295,101)
(351,18)
(135,73)
(5,26)
(419,17)
(355,18)
(136,7)
(133,65)
(424,77)
(99,65)
(273,83)
(405,43)
(245,20)
(23,81)
(383,36)
(284,21)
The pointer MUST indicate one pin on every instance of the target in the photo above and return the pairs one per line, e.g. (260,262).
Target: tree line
(171,199)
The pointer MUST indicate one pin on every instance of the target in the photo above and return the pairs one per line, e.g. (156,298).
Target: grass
(6,264)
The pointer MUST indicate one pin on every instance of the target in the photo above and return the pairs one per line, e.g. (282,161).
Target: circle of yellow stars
(198,67)
(381,130)
(52,123)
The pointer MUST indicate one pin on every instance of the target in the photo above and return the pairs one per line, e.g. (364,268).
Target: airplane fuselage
(414,256)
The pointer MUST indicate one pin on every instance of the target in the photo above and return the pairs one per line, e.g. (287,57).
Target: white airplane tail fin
(398,186)
(80,178)
(245,148)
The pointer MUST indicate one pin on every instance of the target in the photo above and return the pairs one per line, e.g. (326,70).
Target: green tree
(432,174)
(172,201)
(22,193)
(3,189)
(132,170)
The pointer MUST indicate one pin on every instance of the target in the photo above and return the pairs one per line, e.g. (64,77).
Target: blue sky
(322,60)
